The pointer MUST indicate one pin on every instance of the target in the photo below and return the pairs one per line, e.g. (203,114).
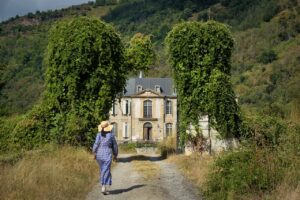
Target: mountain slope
(265,61)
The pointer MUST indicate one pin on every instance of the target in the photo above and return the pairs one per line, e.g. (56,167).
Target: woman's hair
(103,133)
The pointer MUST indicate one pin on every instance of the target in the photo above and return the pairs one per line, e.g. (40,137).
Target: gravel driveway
(130,184)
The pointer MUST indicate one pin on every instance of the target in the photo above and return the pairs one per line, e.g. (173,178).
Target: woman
(104,149)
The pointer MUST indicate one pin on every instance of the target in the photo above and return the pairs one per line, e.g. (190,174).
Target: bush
(267,56)
(7,126)
(167,146)
(127,147)
(261,166)
(266,130)
(243,172)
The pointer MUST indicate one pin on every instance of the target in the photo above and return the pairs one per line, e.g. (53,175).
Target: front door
(147,131)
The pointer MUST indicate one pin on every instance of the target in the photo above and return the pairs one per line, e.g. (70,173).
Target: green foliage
(267,56)
(127,147)
(266,130)
(268,158)
(85,73)
(21,78)
(222,106)
(140,53)
(237,174)
(7,126)
(200,56)
(100,2)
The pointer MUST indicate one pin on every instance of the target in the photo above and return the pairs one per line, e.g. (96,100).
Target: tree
(140,54)
(267,56)
(85,72)
(100,2)
(200,57)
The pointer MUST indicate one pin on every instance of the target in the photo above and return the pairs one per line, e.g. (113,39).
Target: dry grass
(147,169)
(286,190)
(50,173)
(100,11)
(195,167)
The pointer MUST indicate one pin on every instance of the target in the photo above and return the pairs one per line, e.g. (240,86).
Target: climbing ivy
(85,72)
(199,54)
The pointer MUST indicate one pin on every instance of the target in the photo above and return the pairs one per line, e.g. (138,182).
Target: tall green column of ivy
(85,72)
(200,57)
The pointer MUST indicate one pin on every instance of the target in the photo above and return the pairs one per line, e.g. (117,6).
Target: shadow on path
(140,158)
(119,191)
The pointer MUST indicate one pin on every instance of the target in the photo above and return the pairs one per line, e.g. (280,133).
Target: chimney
(141,75)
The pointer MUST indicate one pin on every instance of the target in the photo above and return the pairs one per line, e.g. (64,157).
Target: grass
(100,11)
(49,173)
(195,167)
(146,168)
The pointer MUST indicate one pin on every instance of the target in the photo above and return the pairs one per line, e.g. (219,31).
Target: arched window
(169,129)
(147,109)
(169,107)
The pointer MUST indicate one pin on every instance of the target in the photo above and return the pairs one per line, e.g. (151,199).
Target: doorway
(147,131)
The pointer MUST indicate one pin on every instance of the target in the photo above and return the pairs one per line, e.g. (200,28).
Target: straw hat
(105,125)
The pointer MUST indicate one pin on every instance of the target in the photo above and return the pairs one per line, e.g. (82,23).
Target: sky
(11,8)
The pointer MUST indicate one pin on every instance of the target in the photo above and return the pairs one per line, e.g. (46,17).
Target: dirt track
(166,183)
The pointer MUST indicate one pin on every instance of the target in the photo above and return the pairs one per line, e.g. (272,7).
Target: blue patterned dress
(105,147)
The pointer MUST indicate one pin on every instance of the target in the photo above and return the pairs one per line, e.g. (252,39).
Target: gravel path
(128,184)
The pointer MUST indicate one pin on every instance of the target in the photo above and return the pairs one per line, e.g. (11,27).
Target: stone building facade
(147,110)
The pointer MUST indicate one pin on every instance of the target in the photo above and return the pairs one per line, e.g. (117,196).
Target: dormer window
(174,90)
(139,88)
(157,89)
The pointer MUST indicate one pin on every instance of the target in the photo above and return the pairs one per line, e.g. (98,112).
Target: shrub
(243,172)
(167,146)
(7,126)
(127,147)
(266,130)
(267,56)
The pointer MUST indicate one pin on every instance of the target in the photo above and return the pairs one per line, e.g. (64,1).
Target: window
(115,129)
(139,88)
(169,107)
(114,111)
(157,88)
(174,90)
(125,130)
(126,107)
(147,109)
(168,129)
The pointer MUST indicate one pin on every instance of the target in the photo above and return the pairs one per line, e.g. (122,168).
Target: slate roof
(166,86)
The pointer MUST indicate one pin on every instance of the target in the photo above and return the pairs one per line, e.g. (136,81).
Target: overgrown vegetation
(200,58)
(261,166)
(85,72)
(265,75)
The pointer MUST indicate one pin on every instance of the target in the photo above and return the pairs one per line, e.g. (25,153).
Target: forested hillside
(265,61)
(265,74)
